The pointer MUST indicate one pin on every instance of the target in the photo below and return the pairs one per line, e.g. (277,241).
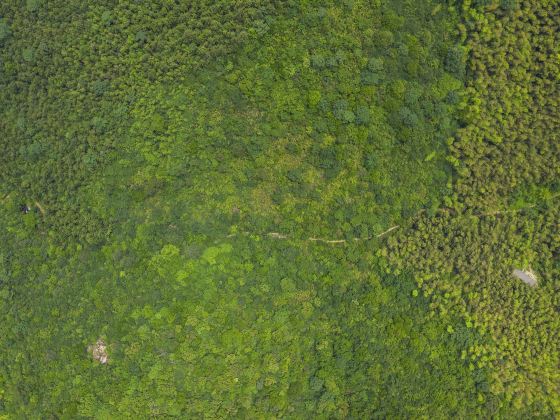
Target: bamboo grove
(504,211)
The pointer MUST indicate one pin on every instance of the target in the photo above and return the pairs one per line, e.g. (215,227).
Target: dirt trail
(277,235)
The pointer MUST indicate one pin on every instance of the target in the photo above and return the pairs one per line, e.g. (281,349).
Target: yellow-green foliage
(505,210)
(511,139)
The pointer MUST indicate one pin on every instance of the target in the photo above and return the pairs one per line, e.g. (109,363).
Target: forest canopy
(266,209)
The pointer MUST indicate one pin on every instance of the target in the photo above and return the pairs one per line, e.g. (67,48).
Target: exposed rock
(99,351)
(527,276)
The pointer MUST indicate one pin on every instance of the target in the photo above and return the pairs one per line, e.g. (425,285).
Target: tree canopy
(270,209)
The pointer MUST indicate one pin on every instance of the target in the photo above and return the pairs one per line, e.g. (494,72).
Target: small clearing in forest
(99,351)
(527,276)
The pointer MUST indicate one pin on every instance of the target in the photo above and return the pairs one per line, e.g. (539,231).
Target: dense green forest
(279,209)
